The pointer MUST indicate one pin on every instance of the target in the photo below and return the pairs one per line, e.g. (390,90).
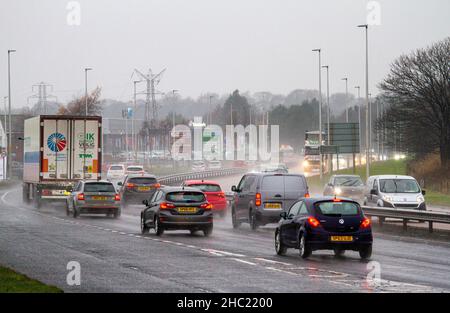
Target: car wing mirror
(373,192)
(233,188)
(145,202)
(120,184)
(423,192)
(283,215)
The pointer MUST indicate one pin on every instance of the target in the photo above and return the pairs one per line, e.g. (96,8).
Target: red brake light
(313,222)
(206,206)
(80,196)
(336,200)
(166,205)
(157,185)
(221,195)
(307,195)
(117,197)
(365,223)
(258,199)
(131,185)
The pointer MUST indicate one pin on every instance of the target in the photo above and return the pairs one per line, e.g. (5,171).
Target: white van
(394,191)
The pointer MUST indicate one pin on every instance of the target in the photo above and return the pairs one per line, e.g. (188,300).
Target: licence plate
(272,205)
(341,238)
(187,210)
(144,188)
(99,198)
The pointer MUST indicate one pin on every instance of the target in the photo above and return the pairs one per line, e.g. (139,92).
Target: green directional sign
(329,149)
(345,136)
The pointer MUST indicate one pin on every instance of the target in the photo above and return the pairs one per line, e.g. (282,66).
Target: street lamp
(359,122)
(85,89)
(346,98)
(329,114)
(9,160)
(320,111)
(366,27)
(173,110)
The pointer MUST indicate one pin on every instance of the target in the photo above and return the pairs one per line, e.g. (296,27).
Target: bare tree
(78,106)
(418,92)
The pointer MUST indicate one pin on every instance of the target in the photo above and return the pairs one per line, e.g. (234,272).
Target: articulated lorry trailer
(58,152)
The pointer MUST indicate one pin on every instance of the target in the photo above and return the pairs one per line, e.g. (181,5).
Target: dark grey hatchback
(175,208)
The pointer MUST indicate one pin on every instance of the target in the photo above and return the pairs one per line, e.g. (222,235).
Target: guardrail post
(405,224)
(380,220)
(430,226)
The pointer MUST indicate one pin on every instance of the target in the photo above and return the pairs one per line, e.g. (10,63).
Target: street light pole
(86,89)
(320,111)
(366,26)
(359,122)
(210,112)
(9,160)
(346,99)
(329,116)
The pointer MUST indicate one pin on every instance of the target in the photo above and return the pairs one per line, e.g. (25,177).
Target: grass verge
(12,282)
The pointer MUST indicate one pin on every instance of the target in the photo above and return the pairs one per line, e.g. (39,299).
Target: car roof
(141,175)
(393,176)
(349,175)
(273,174)
(135,166)
(90,181)
(178,188)
(313,200)
(122,165)
(200,181)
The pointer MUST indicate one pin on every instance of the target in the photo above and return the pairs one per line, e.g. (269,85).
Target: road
(115,257)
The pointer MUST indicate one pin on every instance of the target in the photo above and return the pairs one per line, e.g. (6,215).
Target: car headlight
(337,190)
(387,198)
(305,163)
(420,198)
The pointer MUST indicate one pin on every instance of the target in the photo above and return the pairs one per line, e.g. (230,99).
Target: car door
(150,210)
(373,198)
(288,227)
(74,194)
(241,205)
(295,187)
(328,190)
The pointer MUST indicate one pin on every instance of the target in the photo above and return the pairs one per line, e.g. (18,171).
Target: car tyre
(158,228)
(117,213)
(144,228)
(252,220)
(75,212)
(366,252)
(305,250)
(234,219)
(208,231)
(67,208)
(280,248)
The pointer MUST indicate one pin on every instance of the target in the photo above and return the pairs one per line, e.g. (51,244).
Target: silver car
(349,186)
(94,197)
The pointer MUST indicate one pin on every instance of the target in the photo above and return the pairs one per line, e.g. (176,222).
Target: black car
(175,208)
(324,223)
(137,187)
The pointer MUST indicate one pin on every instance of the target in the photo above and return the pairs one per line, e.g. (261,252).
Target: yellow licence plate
(99,198)
(272,205)
(341,238)
(144,188)
(187,210)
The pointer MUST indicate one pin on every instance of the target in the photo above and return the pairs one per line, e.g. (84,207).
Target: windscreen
(348,181)
(333,208)
(116,168)
(399,186)
(99,187)
(185,196)
(134,169)
(207,187)
(143,180)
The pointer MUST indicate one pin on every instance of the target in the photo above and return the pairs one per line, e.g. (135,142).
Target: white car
(394,191)
(135,169)
(198,166)
(115,172)
(215,165)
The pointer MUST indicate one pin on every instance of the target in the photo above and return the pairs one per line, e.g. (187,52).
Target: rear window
(116,168)
(348,181)
(99,187)
(185,196)
(333,208)
(143,180)
(134,169)
(283,183)
(207,187)
(294,183)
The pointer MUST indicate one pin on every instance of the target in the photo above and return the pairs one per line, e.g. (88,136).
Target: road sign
(329,149)
(345,136)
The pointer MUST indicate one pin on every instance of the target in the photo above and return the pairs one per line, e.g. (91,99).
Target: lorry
(58,152)
(311,153)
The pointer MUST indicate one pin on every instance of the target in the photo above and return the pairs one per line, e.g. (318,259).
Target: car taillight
(158,185)
(131,185)
(117,197)
(336,200)
(166,205)
(307,195)
(258,199)
(221,195)
(80,196)
(313,222)
(206,206)
(365,223)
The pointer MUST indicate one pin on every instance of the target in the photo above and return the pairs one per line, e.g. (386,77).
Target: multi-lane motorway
(115,257)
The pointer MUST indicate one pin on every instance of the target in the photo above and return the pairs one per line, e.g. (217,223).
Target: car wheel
(117,213)
(280,248)
(193,231)
(303,247)
(75,212)
(208,231)
(158,229)
(67,208)
(144,228)
(234,219)
(365,252)
(253,221)
(339,252)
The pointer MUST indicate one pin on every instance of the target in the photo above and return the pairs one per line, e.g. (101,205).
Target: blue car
(325,223)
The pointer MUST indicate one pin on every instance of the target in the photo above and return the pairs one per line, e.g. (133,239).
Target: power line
(42,96)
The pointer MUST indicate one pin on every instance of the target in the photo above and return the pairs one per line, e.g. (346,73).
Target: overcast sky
(207,45)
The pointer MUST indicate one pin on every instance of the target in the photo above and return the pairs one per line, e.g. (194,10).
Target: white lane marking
(243,261)
(4,196)
(224,252)
(272,261)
